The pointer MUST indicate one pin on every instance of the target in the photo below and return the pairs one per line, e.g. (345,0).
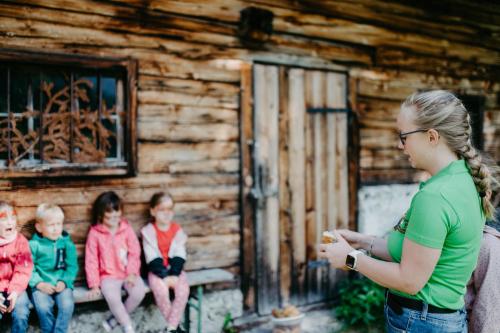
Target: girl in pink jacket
(16,266)
(112,261)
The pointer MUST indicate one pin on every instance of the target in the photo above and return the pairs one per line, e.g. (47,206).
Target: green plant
(361,303)
(227,327)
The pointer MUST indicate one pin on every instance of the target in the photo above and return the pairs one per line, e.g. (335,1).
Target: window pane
(55,87)
(108,92)
(109,141)
(23,136)
(85,127)
(86,90)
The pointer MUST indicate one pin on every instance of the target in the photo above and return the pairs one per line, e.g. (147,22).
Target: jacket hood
(101,228)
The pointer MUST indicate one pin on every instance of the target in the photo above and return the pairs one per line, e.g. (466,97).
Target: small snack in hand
(328,237)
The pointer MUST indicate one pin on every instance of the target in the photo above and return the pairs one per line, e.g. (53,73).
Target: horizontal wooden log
(212,251)
(212,226)
(158,130)
(377,108)
(390,176)
(378,138)
(222,165)
(165,97)
(397,85)
(180,114)
(157,157)
(79,196)
(192,87)
(443,66)
(188,70)
(383,159)
(140,181)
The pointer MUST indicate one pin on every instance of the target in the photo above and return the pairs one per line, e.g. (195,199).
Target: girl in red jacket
(16,266)
(164,245)
(112,261)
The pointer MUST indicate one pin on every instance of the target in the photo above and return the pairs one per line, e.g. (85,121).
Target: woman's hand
(336,253)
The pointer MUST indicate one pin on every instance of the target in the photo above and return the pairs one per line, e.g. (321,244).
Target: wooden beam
(248,269)
(296,180)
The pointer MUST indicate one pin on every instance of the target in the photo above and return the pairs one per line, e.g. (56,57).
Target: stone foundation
(381,206)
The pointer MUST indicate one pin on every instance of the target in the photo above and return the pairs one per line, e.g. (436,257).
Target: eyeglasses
(402,136)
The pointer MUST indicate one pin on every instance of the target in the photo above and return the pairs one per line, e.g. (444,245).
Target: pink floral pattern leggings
(171,311)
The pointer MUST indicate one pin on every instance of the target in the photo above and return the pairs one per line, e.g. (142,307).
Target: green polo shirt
(445,214)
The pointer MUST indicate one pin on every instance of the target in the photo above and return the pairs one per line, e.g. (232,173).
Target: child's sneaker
(128,329)
(109,324)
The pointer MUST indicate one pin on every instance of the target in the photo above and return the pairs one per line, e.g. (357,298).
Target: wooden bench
(196,279)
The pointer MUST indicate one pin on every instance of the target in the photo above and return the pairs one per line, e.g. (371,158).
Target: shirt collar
(454,167)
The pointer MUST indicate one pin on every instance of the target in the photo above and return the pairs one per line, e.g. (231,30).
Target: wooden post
(247,208)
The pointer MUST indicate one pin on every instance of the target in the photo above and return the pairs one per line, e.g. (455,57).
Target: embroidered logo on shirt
(61,259)
(402,224)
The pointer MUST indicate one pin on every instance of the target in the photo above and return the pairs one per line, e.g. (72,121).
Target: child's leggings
(112,291)
(172,312)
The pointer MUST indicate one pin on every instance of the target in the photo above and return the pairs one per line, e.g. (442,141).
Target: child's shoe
(128,329)
(109,324)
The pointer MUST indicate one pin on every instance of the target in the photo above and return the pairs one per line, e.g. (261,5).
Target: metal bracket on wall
(327,110)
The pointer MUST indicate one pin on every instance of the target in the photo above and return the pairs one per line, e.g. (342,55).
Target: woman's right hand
(356,239)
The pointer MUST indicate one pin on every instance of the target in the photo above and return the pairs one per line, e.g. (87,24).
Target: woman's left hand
(336,253)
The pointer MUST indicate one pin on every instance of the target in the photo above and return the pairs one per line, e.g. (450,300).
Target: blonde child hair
(46,210)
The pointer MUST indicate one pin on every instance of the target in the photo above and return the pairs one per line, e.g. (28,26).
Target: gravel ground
(318,321)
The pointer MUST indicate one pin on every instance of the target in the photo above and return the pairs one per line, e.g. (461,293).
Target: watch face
(349,261)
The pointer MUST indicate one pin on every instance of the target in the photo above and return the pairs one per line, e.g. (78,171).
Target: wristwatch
(351,261)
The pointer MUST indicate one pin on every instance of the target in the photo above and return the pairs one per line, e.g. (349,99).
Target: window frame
(77,61)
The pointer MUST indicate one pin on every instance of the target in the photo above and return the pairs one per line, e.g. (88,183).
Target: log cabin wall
(190,63)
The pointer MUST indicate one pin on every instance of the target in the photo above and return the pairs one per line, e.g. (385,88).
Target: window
(475,105)
(66,115)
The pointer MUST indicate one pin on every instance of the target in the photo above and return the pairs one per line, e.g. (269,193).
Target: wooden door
(301,180)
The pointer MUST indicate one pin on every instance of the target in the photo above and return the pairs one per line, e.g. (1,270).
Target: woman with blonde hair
(427,260)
